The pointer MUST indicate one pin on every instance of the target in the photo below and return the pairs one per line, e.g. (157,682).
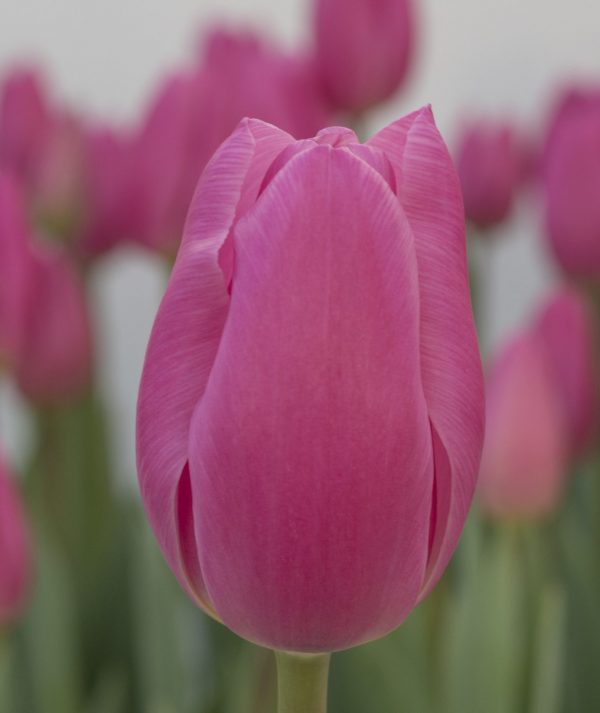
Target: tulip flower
(572,183)
(43,315)
(310,415)
(108,219)
(523,467)
(15,555)
(25,119)
(195,111)
(565,326)
(363,49)
(489,165)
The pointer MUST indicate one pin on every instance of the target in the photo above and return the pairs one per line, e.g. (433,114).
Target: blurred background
(515,625)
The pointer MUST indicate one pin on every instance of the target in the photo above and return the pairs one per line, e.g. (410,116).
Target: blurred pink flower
(310,417)
(57,188)
(565,326)
(25,118)
(524,463)
(43,314)
(15,551)
(542,409)
(195,111)
(363,49)
(572,183)
(108,219)
(490,166)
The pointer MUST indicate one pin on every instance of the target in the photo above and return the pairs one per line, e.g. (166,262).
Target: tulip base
(302,682)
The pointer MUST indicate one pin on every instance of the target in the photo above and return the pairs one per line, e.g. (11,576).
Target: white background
(507,57)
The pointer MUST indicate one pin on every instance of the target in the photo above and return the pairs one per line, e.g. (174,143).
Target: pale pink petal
(565,327)
(523,468)
(429,191)
(310,451)
(185,339)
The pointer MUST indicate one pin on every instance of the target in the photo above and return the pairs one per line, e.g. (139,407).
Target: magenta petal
(185,338)
(310,451)
(429,191)
(565,327)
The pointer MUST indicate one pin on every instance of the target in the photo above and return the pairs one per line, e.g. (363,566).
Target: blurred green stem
(302,682)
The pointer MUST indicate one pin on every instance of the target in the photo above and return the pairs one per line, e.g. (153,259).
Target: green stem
(302,682)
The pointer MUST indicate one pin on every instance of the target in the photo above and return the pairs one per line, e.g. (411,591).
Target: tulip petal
(185,338)
(429,191)
(310,451)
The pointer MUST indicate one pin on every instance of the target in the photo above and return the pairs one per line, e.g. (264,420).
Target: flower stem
(302,682)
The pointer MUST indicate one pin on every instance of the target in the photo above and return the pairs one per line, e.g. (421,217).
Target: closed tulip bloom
(15,554)
(108,219)
(566,328)
(25,119)
(44,321)
(572,183)
(363,49)
(310,413)
(523,468)
(490,167)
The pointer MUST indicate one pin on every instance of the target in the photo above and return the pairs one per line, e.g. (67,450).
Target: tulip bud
(15,556)
(108,219)
(523,467)
(566,329)
(363,49)
(24,122)
(572,183)
(57,189)
(310,415)
(489,166)
(44,325)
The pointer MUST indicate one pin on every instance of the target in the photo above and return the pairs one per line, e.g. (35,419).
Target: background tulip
(572,183)
(44,324)
(523,468)
(489,166)
(195,110)
(25,119)
(566,328)
(363,49)
(310,413)
(15,555)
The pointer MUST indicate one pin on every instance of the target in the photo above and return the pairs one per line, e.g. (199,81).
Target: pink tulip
(57,188)
(195,111)
(310,415)
(572,183)
(15,555)
(489,165)
(566,328)
(108,219)
(24,122)
(43,314)
(363,49)
(523,467)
